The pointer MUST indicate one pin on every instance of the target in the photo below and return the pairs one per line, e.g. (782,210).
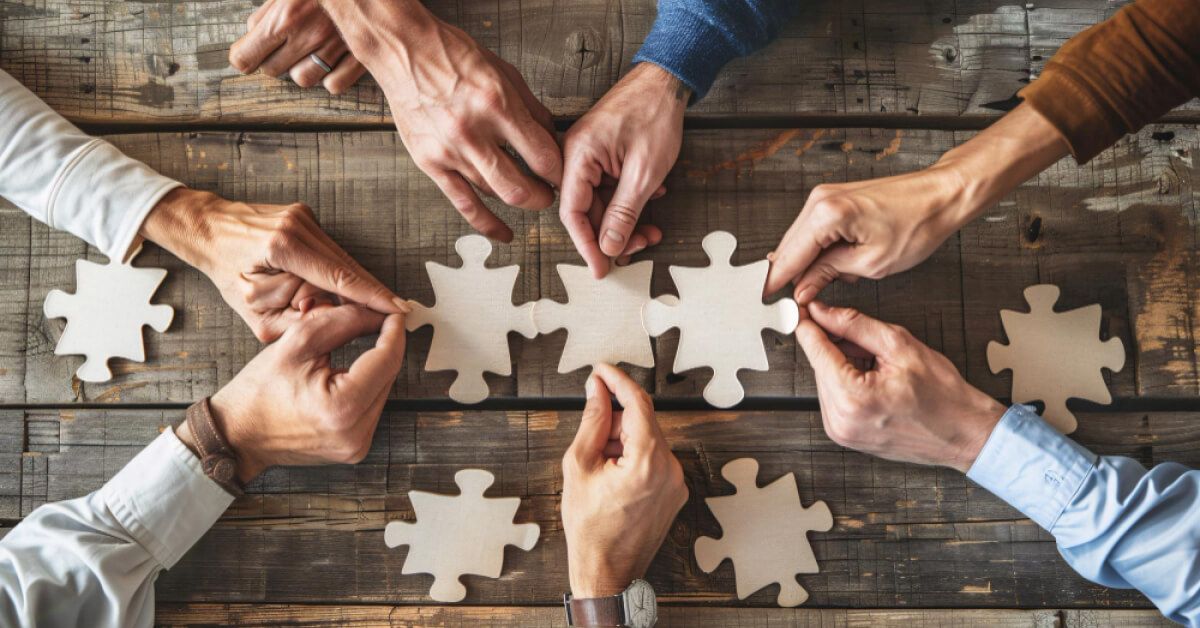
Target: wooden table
(852,90)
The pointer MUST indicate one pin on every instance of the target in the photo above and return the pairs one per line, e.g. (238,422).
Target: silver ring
(320,63)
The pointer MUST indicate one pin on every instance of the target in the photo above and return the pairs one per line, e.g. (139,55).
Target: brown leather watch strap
(590,612)
(216,457)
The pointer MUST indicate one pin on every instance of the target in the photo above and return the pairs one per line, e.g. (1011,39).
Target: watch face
(641,604)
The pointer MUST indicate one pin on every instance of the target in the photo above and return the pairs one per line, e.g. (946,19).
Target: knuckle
(622,214)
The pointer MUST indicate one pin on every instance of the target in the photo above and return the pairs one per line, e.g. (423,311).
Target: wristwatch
(635,607)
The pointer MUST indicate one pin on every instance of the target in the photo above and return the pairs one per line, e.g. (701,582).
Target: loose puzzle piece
(106,314)
(764,532)
(720,316)
(459,534)
(603,317)
(471,317)
(1055,356)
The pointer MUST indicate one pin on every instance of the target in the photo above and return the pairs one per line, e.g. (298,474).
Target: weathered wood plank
(106,61)
(182,615)
(904,535)
(1119,232)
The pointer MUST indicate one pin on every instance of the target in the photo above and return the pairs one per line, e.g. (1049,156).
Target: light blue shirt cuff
(1031,466)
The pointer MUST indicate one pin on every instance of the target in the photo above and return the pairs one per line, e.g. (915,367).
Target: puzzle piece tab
(603,317)
(460,534)
(1055,356)
(764,532)
(106,314)
(471,317)
(720,316)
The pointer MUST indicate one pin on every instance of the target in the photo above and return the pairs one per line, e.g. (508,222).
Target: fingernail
(807,294)
(402,305)
(306,304)
(589,388)
(818,306)
(614,236)
(771,256)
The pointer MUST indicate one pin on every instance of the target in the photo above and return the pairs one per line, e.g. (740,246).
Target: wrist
(653,80)
(596,577)
(371,28)
(233,428)
(980,418)
(175,224)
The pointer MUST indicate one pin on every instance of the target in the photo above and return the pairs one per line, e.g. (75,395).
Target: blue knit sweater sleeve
(694,39)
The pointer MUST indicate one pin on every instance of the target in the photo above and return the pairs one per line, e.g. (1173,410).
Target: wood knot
(950,54)
(584,48)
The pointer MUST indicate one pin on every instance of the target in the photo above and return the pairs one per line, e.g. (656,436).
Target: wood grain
(105,61)
(183,615)
(1118,232)
(904,535)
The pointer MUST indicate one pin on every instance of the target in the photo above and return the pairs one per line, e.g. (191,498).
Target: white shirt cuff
(164,499)
(104,196)
(1031,466)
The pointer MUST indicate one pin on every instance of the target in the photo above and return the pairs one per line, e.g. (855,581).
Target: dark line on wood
(751,404)
(968,122)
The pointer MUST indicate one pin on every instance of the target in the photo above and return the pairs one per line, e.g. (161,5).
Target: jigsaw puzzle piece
(719,246)
(658,315)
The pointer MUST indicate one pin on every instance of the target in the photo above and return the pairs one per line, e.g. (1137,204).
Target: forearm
(1121,74)
(1115,523)
(998,160)
(94,559)
(68,179)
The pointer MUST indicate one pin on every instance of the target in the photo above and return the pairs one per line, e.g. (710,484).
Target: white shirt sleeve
(93,560)
(68,179)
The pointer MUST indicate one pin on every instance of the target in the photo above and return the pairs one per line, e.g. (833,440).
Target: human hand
(911,405)
(280,37)
(631,137)
(267,260)
(880,227)
(622,488)
(288,406)
(457,106)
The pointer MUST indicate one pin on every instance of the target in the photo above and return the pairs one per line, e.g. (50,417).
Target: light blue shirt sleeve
(1115,523)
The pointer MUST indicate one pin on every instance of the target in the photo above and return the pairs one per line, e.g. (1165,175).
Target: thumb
(823,355)
(324,329)
(621,216)
(834,262)
(595,426)
(876,336)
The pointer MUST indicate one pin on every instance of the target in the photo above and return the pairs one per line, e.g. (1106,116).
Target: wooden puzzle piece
(106,314)
(720,316)
(460,534)
(603,317)
(471,317)
(764,532)
(1055,356)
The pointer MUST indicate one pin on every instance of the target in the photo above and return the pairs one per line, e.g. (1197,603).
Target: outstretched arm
(1116,523)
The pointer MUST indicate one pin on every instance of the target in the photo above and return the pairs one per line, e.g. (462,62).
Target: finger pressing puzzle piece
(1055,356)
(720,316)
(471,317)
(106,314)
(460,534)
(764,532)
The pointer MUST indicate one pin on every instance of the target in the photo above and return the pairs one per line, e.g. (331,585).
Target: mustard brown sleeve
(1121,74)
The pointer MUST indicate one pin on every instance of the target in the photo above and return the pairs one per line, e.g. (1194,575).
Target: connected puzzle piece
(720,316)
(1055,356)
(471,317)
(603,317)
(106,314)
(460,534)
(764,532)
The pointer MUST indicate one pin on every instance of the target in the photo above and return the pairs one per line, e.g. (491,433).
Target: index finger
(374,372)
(325,265)
(639,428)
(579,180)
(248,52)
(797,250)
